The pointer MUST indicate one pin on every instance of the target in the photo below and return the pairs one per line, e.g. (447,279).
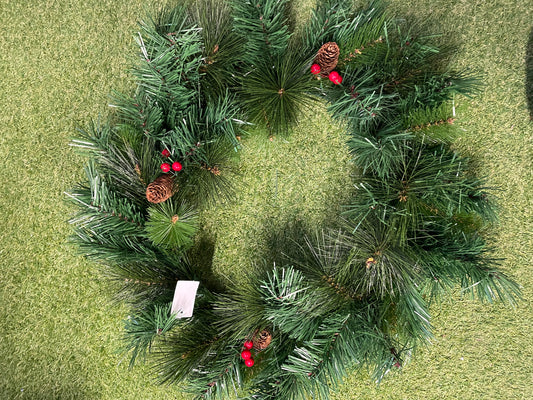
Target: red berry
(335,77)
(177,166)
(165,153)
(315,69)
(165,167)
(249,362)
(248,344)
(246,354)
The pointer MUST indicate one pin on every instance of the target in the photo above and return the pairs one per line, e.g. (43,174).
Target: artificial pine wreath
(355,296)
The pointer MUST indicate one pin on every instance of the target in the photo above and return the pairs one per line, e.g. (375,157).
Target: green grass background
(59,332)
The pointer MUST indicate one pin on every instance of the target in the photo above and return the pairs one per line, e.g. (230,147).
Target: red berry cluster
(333,76)
(165,167)
(246,354)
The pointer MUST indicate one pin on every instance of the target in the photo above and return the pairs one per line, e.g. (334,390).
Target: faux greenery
(275,91)
(171,225)
(59,383)
(355,298)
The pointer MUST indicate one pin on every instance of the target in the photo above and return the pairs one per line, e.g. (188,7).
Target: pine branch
(140,112)
(105,217)
(432,183)
(93,140)
(361,100)
(377,266)
(314,367)
(413,321)
(463,259)
(264,25)
(122,157)
(144,327)
(379,152)
(325,359)
(326,19)
(222,47)
(206,180)
(140,295)
(434,88)
(242,311)
(167,72)
(163,269)
(201,125)
(365,29)
(99,201)
(221,378)
(425,117)
(192,352)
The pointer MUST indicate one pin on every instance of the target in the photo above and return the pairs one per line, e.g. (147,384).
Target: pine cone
(161,189)
(327,57)
(261,339)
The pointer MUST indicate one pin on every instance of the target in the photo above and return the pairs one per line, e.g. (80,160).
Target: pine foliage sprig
(170,56)
(363,104)
(434,124)
(318,365)
(380,152)
(171,225)
(106,218)
(143,328)
(276,90)
(264,25)
(144,115)
(290,306)
(434,89)
(121,156)
(431,183)
(463,259)
(197,353)
(149,266)
(222,377)
(353,298)
(325,21)
(377,265)
(221,46)
(201,125)
(365,263)
(206,182)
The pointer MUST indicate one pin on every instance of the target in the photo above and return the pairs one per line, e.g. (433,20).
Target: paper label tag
(184,297)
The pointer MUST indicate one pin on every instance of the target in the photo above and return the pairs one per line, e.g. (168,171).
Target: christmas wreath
(351,295)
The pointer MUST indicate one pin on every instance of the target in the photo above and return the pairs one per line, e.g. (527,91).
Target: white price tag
(184,297)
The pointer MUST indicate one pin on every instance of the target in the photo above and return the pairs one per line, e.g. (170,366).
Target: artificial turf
(59,332)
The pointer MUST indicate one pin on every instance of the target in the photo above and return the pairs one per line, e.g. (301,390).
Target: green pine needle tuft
(275,91)
(171,225)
